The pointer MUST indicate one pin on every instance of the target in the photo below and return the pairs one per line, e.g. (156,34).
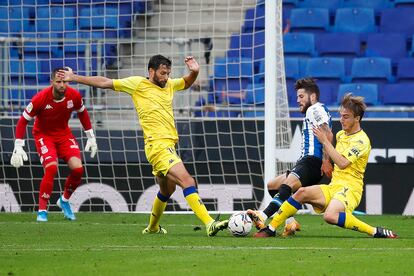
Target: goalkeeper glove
(91,143)
(19,155)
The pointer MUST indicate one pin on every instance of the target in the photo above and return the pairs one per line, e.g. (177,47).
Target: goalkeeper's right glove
(19,155)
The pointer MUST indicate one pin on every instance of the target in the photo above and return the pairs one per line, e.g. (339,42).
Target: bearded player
(52,108)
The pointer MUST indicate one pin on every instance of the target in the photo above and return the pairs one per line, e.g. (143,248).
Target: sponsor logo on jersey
(70,104)
(49,106)
(44,149)
(29,107)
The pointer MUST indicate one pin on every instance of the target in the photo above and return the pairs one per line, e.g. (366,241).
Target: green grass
(112,244)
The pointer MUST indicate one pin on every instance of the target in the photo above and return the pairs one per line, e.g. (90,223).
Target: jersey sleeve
(178,84)
(356,149)
(128,85)
(33,108)
(78,102)
(318,116)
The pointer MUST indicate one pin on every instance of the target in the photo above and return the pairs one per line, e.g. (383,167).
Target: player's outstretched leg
(257,218)
(42,216)
(66,209)
(214,226)
(291,226)
(384,233)
(160,230)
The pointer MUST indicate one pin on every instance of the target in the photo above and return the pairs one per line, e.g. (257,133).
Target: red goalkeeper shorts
(52,148)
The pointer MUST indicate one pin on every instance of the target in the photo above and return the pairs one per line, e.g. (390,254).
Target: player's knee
(77,172)
(300,195)
(330,217)
(51,170)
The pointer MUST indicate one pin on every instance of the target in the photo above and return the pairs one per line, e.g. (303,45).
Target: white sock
(64,199)
(271,228)
(264,216)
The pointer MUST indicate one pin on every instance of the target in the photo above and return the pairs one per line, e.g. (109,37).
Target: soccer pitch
(112,244)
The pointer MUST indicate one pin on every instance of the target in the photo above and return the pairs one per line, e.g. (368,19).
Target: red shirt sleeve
(21,127)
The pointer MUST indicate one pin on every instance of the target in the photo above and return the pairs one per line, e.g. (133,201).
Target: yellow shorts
(162,156)
(346,195)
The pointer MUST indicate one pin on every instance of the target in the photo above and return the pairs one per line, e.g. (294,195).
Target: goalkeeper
(153,98)
(52,108)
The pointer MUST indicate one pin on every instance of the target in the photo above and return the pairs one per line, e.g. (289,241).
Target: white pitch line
(195,248)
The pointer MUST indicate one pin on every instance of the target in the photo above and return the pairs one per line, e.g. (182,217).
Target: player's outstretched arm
(95,81)
(194,68)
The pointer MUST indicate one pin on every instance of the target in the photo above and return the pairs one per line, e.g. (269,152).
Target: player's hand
(320,134)
(91,145)
(19,155)
(192,64)
(326,168)
(66,75)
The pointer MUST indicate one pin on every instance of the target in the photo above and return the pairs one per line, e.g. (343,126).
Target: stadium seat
(98,17)
(397,21)
(331,5)
(371,4)
(392,45)
(309,20)
(326,69)
(55,19)
(328,92)
(405,70)
(254,94)
(19,20)
(289,4)
(291,68)
(254,19)
(388,114)
(368,91)
(233,68)
(403,3)
(299,44)
(373,70)
(338,44)
(354,20)
(4,21)
(398,94)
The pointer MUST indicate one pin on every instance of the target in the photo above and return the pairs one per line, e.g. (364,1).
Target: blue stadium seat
(19,19)
(233,68)
(366,90)
(371,4)
(397,21)
(398,94)
(254,97)
(403,3)
(331,5)
(291,68)
(328,92)
(355,20)
(4,21)
(254,18)
(391,45)
(405,70)
(299,44)
(374,70)
(338,44)
(55,19)
(326,69)
(98,17)
(388,115)
(309,20)
(289,4)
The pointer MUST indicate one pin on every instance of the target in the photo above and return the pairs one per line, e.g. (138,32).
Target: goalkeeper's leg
(46,188)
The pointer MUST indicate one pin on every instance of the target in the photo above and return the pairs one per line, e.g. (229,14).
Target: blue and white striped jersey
(316,115)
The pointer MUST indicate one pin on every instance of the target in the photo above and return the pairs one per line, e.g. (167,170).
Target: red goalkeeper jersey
(52,116)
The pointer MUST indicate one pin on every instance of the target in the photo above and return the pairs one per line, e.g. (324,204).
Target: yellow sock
(348,221)
(158,207)
(287,209)
(197,205)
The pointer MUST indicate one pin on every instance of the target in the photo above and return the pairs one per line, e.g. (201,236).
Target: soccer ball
(240,224)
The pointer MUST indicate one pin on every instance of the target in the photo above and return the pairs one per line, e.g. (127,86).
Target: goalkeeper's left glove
(91,143)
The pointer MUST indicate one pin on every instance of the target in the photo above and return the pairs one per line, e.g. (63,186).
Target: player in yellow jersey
(153,98)
(338,199)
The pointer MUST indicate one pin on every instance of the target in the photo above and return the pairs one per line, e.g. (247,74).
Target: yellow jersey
(356,149)
(153,105)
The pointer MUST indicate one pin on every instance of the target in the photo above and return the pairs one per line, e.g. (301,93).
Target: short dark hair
(157,60)
(54,71)
(354,103)
(310,86)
